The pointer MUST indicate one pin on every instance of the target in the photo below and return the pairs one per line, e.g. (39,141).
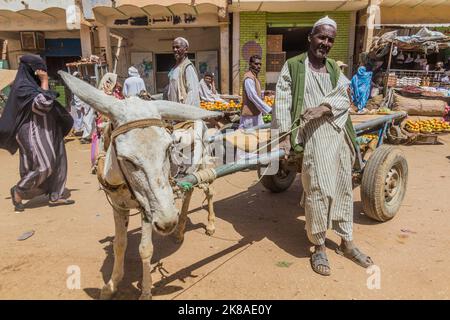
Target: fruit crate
(426,138)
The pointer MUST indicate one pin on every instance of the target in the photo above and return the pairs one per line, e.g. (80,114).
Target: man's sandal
(356,256)
(319,258)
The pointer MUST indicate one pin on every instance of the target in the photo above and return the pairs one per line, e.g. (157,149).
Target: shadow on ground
(254,213)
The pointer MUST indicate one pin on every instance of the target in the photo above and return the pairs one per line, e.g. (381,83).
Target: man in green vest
(311,113)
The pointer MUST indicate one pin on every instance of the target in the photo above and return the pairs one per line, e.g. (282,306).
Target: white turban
(182,40)
(133,72)
(325,20)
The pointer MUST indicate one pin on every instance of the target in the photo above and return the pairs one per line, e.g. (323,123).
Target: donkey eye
(131,164)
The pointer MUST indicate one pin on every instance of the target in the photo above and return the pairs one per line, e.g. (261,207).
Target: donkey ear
(177,111)
(100,101)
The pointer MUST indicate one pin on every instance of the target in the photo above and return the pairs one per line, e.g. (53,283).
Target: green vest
(297,71)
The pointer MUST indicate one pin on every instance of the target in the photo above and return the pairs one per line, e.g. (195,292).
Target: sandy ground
(259,250)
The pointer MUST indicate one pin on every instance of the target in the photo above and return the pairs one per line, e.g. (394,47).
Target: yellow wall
(422,14)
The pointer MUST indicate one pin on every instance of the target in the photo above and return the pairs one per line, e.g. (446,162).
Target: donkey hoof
(146,296)
(106,293)
(209,231)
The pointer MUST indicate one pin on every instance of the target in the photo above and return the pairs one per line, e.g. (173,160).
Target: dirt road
(259,251)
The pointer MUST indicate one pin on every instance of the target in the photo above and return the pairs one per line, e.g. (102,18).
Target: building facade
(278,30)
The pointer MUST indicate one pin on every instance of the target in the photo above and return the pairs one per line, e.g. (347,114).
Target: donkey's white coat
(144,157)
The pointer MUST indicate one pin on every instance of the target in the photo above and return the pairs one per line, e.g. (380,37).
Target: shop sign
(185,18)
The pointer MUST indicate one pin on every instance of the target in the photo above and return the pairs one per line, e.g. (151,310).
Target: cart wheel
(384,182)
(279,182)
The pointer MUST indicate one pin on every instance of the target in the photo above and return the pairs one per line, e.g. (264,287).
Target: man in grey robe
(328,152)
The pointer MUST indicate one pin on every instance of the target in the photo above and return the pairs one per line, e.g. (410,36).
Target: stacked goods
(392,80)
(275,57)
(370,136)
(267,118)
(221,106)
(384,111)
(408,81)
(274,43)
(411,90)
(419,107)
(275,61)
(269,100)
(427,126)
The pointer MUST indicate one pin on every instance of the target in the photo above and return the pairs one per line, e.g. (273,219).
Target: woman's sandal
(356,256)
(60,202)
(319,258)
(18,206)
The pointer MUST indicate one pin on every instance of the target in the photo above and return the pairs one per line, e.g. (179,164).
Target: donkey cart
(381,170)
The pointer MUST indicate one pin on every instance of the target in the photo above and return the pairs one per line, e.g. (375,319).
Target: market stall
(231,109)
(416,79)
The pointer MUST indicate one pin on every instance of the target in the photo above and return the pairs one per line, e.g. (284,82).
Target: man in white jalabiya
(183,79)
(76,109)
(83,115)
(134,84)
(208,90)
(312,106)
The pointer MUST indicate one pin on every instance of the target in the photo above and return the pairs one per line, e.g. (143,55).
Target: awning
(414,25)
(298,6)
(130,8)
(28,15)
(414,3)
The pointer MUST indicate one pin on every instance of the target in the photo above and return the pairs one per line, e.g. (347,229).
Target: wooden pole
(4,49)
(388,68)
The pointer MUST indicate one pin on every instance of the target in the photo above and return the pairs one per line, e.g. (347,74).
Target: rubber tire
(372,185)
(275,184)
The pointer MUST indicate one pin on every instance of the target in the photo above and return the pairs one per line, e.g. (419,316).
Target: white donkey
(141,146)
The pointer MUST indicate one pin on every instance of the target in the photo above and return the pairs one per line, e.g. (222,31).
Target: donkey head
(142,152)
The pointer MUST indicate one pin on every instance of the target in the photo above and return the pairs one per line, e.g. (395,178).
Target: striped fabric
(43,162)
(327,159)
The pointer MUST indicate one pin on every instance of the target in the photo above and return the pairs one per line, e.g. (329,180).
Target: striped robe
(43,161)
(328,155)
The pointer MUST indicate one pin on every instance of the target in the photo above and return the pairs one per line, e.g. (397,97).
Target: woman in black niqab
(35,123)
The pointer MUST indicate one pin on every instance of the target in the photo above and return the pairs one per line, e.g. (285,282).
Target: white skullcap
(182,40)
(325,20)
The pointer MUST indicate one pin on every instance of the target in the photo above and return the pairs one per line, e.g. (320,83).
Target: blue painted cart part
(378,123)
(381,124)
(246,163)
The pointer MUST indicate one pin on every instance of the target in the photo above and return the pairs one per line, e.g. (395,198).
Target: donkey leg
(179,231)
(146,252)
(211,227)
(120,245)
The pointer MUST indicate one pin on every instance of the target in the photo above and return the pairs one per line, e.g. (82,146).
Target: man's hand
(316,113)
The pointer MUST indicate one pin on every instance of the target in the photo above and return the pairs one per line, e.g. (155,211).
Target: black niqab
(18,108)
